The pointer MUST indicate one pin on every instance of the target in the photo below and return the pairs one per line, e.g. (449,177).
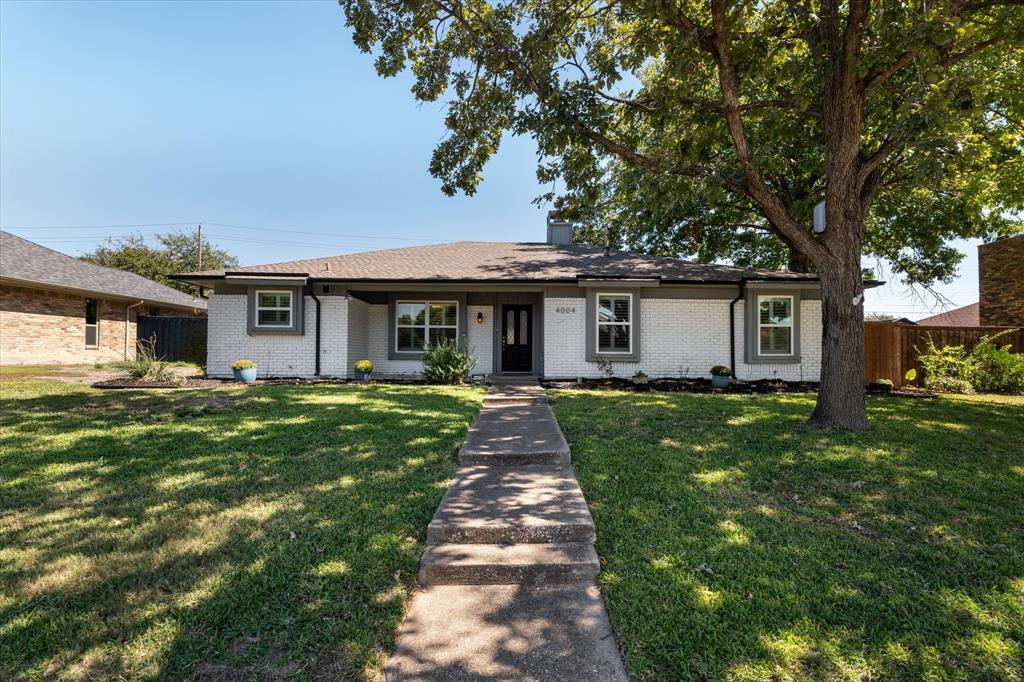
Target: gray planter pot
(720,382)
(362,376)
(246,376)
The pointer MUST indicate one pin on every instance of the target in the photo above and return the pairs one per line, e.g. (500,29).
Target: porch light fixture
(479,318)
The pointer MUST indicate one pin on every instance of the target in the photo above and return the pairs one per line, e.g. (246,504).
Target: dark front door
(516,338)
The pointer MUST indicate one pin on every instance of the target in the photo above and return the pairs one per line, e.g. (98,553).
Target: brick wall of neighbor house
(679,338)
(48,327)
(277,355)
(1001,282)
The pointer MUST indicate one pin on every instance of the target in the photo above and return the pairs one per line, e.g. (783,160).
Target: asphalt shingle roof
(966,316)
(502,261)
(27,261)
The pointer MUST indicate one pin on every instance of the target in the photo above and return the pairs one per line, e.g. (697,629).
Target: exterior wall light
(479,318)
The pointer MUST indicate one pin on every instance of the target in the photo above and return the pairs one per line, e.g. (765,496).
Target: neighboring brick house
(1001,282)
(57,309)
(554,309)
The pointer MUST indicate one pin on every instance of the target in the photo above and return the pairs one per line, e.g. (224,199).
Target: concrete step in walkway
(526,563)
(513,435)
(502,505)
(515,394)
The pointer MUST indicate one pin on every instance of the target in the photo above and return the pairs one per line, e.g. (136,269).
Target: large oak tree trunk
(841,394)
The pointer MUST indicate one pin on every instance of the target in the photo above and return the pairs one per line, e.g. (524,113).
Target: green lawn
(737,544)
(267,532)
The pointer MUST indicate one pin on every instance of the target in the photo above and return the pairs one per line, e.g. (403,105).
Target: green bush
(147,367)
(448,362)
(884,382)
(948,369)
(996,369)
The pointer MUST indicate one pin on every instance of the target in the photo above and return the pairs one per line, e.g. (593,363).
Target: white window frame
(426,326)
(598,322)
(791,327)
(291,308)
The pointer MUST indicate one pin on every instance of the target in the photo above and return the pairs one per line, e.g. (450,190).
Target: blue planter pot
(362,376)
(246,376)
(720,382)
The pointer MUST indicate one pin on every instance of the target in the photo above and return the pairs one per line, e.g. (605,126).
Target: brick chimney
(1001,282)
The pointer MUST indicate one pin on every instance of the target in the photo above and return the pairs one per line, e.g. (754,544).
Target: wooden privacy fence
(174,336)
(889,347)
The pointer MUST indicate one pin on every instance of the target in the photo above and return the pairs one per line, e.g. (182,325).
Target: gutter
(126,309)
(316,343)
(732,325)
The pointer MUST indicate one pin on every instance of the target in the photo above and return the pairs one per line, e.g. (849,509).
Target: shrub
(448,362)
(363,366)
(147,367)
(243,364)
(721,371)
(947,369)
(996,369)
(884,382)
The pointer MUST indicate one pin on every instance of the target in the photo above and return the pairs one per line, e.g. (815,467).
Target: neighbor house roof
(967,316)
(25,262)
(500,262)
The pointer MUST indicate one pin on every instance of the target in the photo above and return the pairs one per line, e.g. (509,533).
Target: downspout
(316,342)
(732,325)
(126,309)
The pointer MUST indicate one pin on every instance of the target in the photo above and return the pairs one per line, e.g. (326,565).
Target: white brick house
(555,310)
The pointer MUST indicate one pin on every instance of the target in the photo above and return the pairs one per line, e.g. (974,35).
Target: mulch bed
(685,385)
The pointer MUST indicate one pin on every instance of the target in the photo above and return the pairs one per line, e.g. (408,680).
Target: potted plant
(363,369)
(721,376)
(244,370)
(640,378)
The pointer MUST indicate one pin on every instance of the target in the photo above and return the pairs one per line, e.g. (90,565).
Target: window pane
(443,314)
(510,328)
(613,308)
(775,311)
(613,338)
(764,311)
(410,338)
(90,334)
(438,333)
(411,313)
(90,311)
(777,340)
(273,300)
(274,318)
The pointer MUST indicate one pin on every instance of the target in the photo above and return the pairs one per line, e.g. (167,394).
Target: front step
(489,505)
(515,394)
(515,434)
(529,564)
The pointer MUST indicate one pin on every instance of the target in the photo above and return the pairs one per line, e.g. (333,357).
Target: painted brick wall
(679,337)
(1001,282)
(48,327)
(480,337)
(358,333)
(334,334)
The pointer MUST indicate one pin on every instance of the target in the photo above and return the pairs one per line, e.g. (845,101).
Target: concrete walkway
(509,570)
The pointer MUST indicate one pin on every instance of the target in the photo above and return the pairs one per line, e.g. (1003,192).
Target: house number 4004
(566,309)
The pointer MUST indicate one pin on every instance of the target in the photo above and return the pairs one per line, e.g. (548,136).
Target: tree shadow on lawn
(737,543)
(270,534)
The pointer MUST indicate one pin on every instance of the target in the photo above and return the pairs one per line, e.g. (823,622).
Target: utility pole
(199,239)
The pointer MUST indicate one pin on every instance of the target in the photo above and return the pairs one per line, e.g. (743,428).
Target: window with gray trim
(775,325)
(614,323)
(273,308)
(418,323)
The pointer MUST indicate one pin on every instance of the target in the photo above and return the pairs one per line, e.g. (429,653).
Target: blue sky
(254,115)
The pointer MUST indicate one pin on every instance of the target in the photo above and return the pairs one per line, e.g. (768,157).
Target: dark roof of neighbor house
(29,262)
(966,316)
(502,261)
